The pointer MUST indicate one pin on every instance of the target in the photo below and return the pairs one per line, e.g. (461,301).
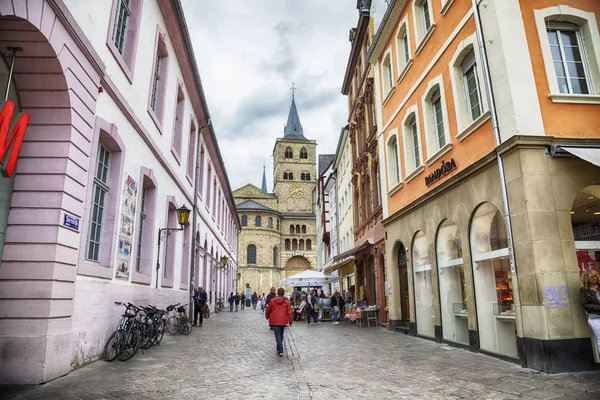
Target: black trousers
(197,311)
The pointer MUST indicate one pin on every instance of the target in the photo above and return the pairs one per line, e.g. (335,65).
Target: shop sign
(445,168)
(71,222)
(10,144)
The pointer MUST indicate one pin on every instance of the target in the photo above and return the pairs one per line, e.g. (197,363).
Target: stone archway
(296,264)
(57,76)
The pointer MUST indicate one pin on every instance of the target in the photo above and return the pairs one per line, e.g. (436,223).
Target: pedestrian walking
(271,295)
(231,300)
(311,304)
(199,303)
(263,303)
(236,299)
(589,295)
(243,300)
(254,299)
(279,314)
(335,310)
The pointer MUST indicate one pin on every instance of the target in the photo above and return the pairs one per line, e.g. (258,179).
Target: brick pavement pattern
(233,357)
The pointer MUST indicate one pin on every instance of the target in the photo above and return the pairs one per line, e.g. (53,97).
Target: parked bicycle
(179,322)
(219,306)
(126,340)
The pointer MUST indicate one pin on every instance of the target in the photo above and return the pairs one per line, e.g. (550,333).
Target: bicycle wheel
(185,325)
(114,345)
(147,336)
(160,331)
(132,344)
(172,327)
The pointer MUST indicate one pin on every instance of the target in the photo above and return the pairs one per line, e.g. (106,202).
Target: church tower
(294,167)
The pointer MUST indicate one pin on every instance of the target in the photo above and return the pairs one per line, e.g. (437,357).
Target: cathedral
(278,237)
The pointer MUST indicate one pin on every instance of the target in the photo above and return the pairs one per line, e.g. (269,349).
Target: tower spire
(293,128)
(264,180)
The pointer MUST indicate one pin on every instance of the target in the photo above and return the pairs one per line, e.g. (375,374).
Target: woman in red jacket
(279,314)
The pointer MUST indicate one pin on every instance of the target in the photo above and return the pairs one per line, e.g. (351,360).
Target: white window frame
(408,153)
(434,150)
(445,6)
(422,33)
(394,169)
(101,184)
(402,45)
(466,126)
(387,75)
(588,28)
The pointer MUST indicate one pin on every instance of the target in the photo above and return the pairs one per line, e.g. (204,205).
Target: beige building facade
(278,237)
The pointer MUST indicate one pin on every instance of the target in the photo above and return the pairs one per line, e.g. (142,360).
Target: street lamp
(237,284)
(224,260)
(183,214)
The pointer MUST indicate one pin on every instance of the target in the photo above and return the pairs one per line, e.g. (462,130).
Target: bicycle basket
(181,309)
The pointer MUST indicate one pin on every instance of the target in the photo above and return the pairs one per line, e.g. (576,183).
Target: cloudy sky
(249,52)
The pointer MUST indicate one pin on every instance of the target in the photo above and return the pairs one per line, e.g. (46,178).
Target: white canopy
(309,277)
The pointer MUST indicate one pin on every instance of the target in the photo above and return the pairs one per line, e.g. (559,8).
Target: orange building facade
(489,139)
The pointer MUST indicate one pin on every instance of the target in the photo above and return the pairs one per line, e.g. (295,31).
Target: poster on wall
(126,233)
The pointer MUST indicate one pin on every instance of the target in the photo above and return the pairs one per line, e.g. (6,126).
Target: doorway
(403,276)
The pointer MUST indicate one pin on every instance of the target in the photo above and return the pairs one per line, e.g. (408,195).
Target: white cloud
(249,53)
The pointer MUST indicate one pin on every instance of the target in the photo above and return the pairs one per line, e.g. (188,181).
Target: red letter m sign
(11,143)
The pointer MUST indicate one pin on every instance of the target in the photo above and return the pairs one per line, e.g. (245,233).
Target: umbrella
(308,278)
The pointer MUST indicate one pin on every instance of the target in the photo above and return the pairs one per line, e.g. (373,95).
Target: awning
(589,154)
(354,250)
(338,265)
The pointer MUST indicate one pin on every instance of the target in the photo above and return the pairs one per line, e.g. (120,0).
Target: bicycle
(179,323)
(126,340)
(219,306)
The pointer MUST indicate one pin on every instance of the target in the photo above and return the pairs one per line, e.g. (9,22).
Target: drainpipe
(498,139)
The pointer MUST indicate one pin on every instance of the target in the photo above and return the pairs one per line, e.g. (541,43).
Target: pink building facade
(115,103)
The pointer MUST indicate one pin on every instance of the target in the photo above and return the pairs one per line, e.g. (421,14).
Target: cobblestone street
(233,357)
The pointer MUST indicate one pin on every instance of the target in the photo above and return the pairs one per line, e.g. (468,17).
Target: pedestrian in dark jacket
(271,295)
(335,310)
(199,303)
(590,300)
(254,299)
(243,300)
(311,304)
(236,299)
(279,314)
(231,300)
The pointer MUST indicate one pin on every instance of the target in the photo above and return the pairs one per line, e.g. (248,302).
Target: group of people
(239,299)
(313,303)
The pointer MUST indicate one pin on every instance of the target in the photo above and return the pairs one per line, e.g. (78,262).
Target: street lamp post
(224,261)
(237,284)
(183,214)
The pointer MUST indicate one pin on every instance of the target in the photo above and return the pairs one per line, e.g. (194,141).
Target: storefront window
(585,221)
(423,286)
(453,297)
(493,282)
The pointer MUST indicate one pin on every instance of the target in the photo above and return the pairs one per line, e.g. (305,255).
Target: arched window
(303,228)
(308,244)
(292,229)
(301,244)
(302,176)
(294,244)
(303,153)
(244,220)
(297,228)
(251,254)
(270,223)
(257,221)
(275,256)
(285,175)
(308,176)
(289,153)
(290,176)
(421,266)
(278,224)
(287,244)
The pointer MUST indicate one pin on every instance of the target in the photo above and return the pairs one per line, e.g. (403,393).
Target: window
(308,176)
(275,256)
(393,159)
(178,124)
(270,223)
(388,77)
(435,118)
(472,86)
(570,45)
(138,259)
(412,144)
(288,175)
(244,220)
(123,33)
(403,48)
(568,58)
(303,228)
(251,256)
(201,177)
(303,153)
(100,190)
(257,221)
(297,228)
(414,135)
(285,176)
(158,82)
(191,152)
(438,119)
(287,244)
(423,22)
(145,227)
(289,153)
(302,176)
(294,244)
(301,244)
(292,229)
(308,244)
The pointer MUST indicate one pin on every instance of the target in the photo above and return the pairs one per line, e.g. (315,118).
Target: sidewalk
(232,356)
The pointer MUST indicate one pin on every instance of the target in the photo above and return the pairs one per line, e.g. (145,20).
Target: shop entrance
(403,274)
(585,221)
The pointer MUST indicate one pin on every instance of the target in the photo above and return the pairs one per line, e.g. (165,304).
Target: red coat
(279,311)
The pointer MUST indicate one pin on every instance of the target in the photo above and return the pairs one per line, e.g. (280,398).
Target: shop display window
(453,297)
(493,282)
(423,286)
